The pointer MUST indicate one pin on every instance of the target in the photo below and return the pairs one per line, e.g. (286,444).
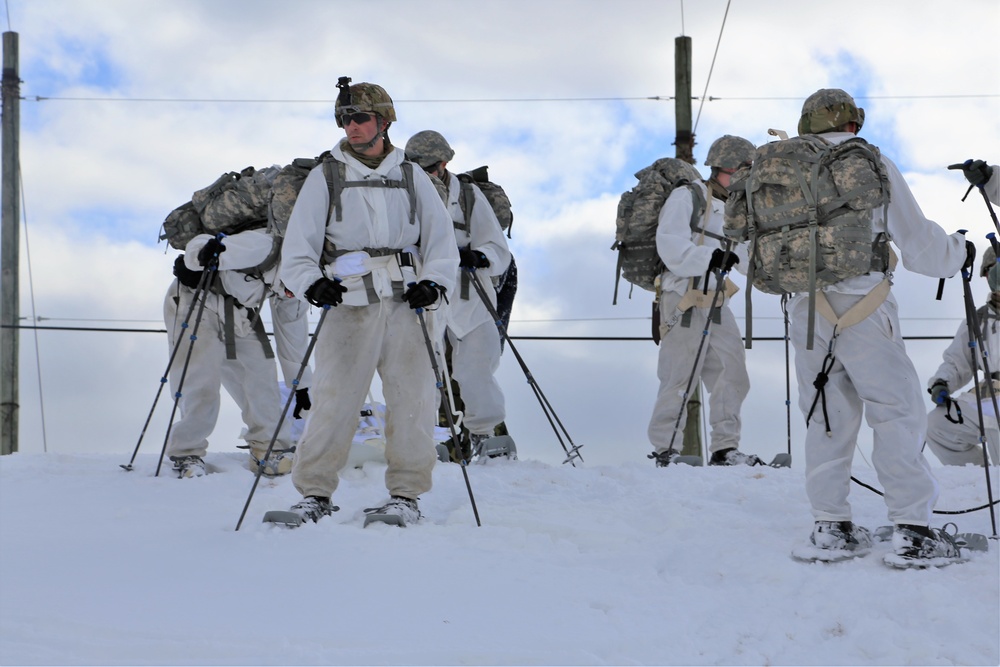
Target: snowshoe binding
(672,456)
(310,508)
(277,464)
(189,466)
(734,457)
(486,447)
(922,547)
(399,511)
(834,541)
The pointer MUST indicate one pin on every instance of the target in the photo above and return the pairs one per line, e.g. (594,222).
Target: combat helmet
(730,152)
(360,97)
(427,148)
(990,269)
(827,109)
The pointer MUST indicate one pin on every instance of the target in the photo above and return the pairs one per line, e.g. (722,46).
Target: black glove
(422,294)
(325,292)
(302,402)
(210,253)
(970,256)
(472,259)
(716,261)
(939,392)
(186,276)
(976,172)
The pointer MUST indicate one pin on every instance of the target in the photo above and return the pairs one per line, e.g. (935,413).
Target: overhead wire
(31,293)
(708,80)
(493,100)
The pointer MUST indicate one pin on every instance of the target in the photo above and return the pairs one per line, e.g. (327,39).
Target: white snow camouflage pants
(475,360)
(355,342)
(251,379)
(721,368)
(958,444)
(874,377)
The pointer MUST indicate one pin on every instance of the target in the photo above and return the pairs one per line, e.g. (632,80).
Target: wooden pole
(10,244)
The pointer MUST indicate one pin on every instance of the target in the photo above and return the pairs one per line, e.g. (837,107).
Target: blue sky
(101,175)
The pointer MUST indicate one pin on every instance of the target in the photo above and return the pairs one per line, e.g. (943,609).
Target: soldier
(692,255)
(471,331)
(871,374)
(233,351)
(381,246)
(953,428)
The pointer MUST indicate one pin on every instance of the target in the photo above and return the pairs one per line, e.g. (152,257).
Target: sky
(128,106)
(622,564)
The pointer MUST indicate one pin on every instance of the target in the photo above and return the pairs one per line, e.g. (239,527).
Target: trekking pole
(451,423)
(976,340)
(788,379)
(572,452)
(170,363)
(284,412)
(701,346)
(982,191)
(211,270)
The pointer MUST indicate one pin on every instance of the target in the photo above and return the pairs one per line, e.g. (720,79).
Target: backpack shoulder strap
(466,201)
(336,181)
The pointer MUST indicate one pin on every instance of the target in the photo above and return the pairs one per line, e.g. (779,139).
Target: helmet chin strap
(361,148)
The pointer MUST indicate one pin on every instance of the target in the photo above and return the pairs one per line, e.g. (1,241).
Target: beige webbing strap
(856,313)
(863,308)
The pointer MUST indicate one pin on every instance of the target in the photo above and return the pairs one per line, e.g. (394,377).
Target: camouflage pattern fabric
(285,190)
(796,246)
(368,97)
(182,225)
(495,195)
(729,152)
(235,202)
(427,148)
(827,109)
(638,218)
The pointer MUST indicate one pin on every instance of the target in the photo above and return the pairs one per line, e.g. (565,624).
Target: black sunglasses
(360,118)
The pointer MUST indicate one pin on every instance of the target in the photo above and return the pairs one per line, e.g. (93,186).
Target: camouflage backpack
(638,217)
(235,202)
(285,190)
(805,205)
(495,195)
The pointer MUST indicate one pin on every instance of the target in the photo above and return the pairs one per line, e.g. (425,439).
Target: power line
(542,338)
(495,100)
(711,68)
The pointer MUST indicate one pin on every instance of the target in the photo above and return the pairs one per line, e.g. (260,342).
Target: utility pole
(684,150)
(10,244)
(684,141)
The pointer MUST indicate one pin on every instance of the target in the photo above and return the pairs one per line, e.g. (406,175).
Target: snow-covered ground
(591,565)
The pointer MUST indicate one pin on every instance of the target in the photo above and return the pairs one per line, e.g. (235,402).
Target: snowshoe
(834,541)
(310,508)
(189,466)
(666,457)
(922,547)
(734,457)
(398,511)
(486,447)
(782,460)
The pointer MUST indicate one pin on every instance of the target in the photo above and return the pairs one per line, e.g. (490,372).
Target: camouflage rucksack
(235,202)
(495,195)
(285,190)
(638,217)
(805,206)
